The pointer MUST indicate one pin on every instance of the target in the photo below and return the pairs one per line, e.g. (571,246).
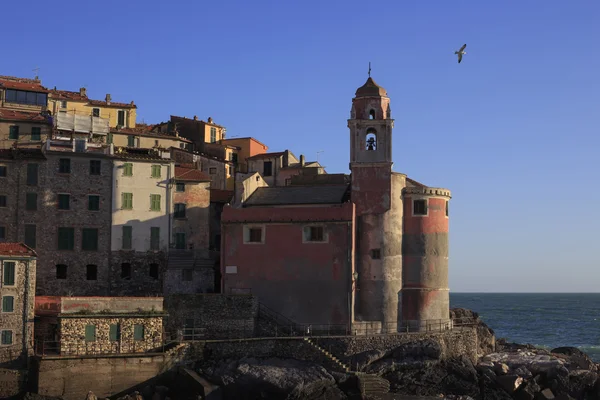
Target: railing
(58,348)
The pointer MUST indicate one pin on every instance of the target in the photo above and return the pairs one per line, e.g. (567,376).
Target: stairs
(330,356)
(182,259)
(372,386)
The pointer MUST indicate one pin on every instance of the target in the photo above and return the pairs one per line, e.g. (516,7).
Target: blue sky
(512,130)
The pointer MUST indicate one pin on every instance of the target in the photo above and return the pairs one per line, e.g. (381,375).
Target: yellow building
(118,114)
(142,137)
(196,130)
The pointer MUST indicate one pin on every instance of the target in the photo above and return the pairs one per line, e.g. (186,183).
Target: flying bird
(460,52)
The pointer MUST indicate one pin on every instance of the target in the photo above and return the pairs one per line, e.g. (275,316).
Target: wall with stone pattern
(140,283)
(12,382)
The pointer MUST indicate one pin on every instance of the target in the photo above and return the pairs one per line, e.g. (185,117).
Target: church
(369,248)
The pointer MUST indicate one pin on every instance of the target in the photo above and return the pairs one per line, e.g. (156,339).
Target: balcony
(81,123)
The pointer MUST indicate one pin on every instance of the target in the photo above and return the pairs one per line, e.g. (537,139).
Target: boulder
(527,391)
(91,396)
(510,383)
(576,358)
(545,394)
(501,369)
(361,360)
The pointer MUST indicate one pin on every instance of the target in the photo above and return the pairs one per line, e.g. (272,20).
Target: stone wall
(12,381)
(73,340)
(141,283)
(213,315)
(203,280)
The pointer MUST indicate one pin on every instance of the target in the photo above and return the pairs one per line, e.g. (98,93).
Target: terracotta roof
(11,115)
(190,175)
(285,195)
(16,249)
(370,88)
(220,196)
(67,95)
(32,85)
(267,155)
(103,103)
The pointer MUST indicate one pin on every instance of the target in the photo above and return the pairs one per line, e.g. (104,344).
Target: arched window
(372,114)
(371,139)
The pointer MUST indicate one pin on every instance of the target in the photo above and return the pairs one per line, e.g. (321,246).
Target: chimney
(108,98)
(195,118)
(302,160)
(132,103)
(210,120)
(83,92)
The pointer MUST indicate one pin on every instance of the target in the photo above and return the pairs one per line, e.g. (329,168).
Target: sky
(512,131)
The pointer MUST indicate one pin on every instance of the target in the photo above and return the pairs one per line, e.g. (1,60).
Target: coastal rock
(361,360)
(91,396)
(545,394)
(486,339)
(576,358)
(510,383)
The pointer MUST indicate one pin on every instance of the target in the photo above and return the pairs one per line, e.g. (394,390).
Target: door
(180,241)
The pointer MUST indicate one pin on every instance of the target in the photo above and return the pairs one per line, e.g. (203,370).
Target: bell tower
(376,192)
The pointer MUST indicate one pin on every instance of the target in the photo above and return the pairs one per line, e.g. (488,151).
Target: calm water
(544,320)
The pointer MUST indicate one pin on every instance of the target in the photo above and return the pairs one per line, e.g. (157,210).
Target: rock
(510,383)
(501,369)
(576,358)
(136,396)
(486,339)
(91,396)
(581,382)
(545,394)
(361,360)
(523,373)
(563,396)
(162,390)
(420,350)
(147,392)
(527,391)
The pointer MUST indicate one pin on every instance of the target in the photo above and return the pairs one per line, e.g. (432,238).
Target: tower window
(420,207)
(446,208)
(372,114)
(376,254)
(371,139)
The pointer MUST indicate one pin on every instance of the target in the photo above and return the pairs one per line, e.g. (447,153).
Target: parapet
(427,191)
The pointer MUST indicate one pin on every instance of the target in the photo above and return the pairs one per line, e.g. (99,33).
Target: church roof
(297,195)
(370,88)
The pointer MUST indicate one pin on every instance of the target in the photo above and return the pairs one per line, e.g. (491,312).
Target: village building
(247,147)
(365,250)
(278,168)
(17,298)
(143,137)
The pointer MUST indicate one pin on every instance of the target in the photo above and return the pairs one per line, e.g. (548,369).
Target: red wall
(371,189)
(308,283)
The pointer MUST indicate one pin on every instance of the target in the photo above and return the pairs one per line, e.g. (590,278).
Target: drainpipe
(26,322)
(349,241)
(168,206)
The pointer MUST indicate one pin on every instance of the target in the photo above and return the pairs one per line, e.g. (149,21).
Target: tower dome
(370,88)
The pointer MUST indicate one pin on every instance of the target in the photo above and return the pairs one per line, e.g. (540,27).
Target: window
(93,202)
(376,254)
(121,118)
(32,174)
(91,272)
(212,171)
(126,201)
(186,275)
(213,134)
(447,202)
(2,170)
(31,201)
(180,241)
(126,271)
(156,169)
(372,114)
(8,303)
(114,332)
(89,239)
(2,233)
(230,170)
(63,104)
(127,237)
(90,333)
(371,139)
(13,132)
(155,202)
(23,97)
(64,166)
(8,273)
(66,238)
(130,141)
(268,168)
(95,112)
(179,210)
(128,169)
(95,167)
(313,234)
(7,338)
(420,207)
(2,201)
(64,201)
(154,238)
(180,187)
(61,271)
(31,235)
(138,332)
(36,133)
(156,143)
(153,272)
(234,158)
(254,235)
(109,138)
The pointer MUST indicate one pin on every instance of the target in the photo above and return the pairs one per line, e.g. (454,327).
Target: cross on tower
(369,69)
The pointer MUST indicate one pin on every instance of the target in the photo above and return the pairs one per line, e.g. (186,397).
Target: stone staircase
(372,386)
(182,259)
(327,354)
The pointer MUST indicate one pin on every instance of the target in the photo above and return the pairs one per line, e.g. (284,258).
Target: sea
(546,320)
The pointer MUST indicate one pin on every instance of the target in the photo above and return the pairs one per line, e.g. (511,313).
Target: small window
(61,271)
(230,170)
(89,239)
(126,201)
(66,238)
(447,202)
(93,202)
(376,254)
(2,201)
(91,272)
(126,271)
(31,201)
(36,133)
(372,114)
(314,234)
(371,139)
(213,134)
(138,332)
(121,118)
(180,187)
(153,271)
(2,233)
(128,169)
(2,171)
(156,170)
(90,333)
(186,275)
(127,237)
(31,235)
(130,141)
(95,112)
(154,238)
(179,210)
(63,104)
(95,167)
(268,168)
(156,143)
(114,332)
(155,202)
(420,207)
(13,132)
(8,303)
(8,275)
(255,235)
(64,166)
(7,338)
(32,174)
(212,171)
(64,202)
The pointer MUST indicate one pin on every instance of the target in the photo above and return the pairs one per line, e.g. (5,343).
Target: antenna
(319,152)
(37,72)
(369,69)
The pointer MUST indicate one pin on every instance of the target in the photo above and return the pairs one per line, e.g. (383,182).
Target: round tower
(425,292)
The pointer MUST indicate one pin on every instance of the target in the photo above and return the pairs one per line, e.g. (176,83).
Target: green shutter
(155,202)
(32,174)
(90,333)
(127,234)
(138,332)
(127,201)
(13,132)
(114,333)
(154,238)
(9,273)
(30,235)
(156,170)
(8,303)
(31,201)
(36,133)
(66,238)
(93,203)
(7,337)
(89,239)
(127,169)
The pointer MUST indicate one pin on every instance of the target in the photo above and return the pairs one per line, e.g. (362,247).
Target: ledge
(114,315)
(427,191)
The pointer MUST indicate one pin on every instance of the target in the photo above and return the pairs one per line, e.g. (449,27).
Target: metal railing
(62,348)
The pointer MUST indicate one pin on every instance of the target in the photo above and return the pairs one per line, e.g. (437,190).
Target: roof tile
(12,115)
(14,249)
(190,175)
(284,195)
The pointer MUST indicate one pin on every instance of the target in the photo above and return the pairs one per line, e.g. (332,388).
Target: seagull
(460,52)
